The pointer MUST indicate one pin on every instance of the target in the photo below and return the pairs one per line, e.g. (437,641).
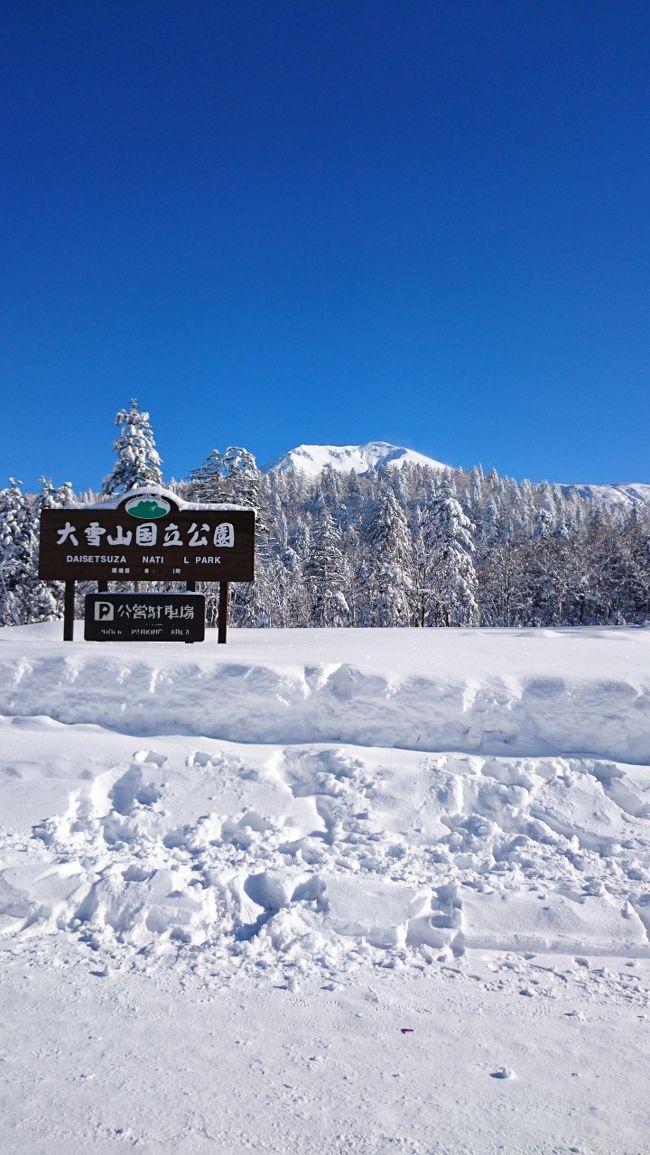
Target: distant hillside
(634,493)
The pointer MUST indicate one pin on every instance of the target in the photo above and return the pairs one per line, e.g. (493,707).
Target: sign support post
(68,612)
(222,620)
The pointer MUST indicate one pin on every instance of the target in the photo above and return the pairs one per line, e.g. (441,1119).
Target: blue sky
(285,221)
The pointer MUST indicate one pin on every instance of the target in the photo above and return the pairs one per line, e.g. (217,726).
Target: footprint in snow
(202,759)
(150,756)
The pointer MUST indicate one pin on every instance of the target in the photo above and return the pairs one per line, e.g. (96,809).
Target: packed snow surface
(321,891)
(313,459)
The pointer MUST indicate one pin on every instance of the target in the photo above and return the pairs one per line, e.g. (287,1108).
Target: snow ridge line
(246,703)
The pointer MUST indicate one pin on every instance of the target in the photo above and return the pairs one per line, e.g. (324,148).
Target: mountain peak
(312,459)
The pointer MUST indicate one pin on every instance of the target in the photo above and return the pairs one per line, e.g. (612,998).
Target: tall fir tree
(24,597)
(388,564)
(452,585)
(324,572)
(138,462)
(204,485)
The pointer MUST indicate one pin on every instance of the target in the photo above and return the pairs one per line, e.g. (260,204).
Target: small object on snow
(502,1073)
(407,1030)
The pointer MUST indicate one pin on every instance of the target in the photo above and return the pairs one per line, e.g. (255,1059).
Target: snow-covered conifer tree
(23,597)
(452,584)
(15,517)
(324,572)
(205,481)
(228,478)
(388,564)
(138,462)
(240,477)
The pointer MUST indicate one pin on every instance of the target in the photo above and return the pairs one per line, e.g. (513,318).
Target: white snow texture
(415,813)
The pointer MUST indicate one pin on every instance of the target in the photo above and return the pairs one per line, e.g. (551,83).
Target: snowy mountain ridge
(618,493)
(311,460)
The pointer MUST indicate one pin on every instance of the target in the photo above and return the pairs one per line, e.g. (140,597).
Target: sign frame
(148,534)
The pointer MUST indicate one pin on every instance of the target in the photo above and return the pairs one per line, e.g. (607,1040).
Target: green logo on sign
(146,508)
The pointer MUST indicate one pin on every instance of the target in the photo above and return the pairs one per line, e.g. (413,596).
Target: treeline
(418,547)
(403,547)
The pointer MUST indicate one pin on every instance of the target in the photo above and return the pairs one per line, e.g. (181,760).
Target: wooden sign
(149,536)
(145,617)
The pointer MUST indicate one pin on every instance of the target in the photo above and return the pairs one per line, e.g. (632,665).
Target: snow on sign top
(148,535)
(158,494)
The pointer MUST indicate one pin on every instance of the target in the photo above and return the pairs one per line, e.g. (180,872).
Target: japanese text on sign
(146,534)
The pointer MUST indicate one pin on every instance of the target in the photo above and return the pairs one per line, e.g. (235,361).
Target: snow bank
(501,692)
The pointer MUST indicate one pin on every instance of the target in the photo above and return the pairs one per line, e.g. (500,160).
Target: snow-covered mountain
(312,459)
(633,493)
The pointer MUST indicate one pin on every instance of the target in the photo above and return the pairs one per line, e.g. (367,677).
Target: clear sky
(285,221)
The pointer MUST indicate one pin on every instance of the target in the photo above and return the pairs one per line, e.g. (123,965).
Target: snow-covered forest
(414,546)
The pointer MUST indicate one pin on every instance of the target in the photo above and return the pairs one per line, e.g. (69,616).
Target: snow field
(407,909)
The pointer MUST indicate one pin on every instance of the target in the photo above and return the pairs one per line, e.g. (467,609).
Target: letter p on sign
(104,612)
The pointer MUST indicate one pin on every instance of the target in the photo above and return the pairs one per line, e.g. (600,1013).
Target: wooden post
(68,612)
(222,621)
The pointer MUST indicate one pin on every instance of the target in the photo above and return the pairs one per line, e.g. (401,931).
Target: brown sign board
(149,536)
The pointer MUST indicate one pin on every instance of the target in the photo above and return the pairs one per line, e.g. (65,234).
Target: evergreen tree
(204,485)
(240,477)
(138,462)
(388,564)
(452,583)
(23,597)
(232,478)
(325,575)
(228,478)
(15,518)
